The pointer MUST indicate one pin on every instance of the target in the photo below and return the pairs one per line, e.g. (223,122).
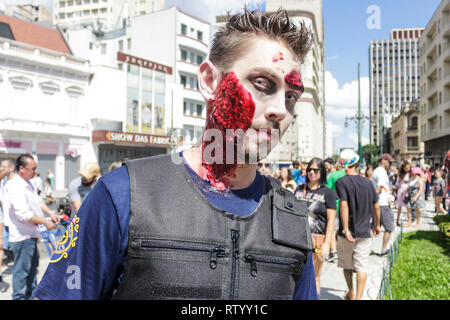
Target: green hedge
(443,221)
(422,267)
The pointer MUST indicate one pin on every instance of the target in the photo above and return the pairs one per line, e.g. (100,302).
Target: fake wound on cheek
(232,105)
(294,80)
(231,108)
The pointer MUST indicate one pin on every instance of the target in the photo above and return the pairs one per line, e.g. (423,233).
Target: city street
(332,279)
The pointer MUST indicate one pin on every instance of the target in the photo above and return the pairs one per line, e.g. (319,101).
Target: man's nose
(276,111)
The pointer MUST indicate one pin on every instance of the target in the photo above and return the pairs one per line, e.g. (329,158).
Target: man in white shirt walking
(381,179)
(25,210)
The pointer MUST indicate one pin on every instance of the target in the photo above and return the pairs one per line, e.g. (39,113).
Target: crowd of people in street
(348,204)
(25,213)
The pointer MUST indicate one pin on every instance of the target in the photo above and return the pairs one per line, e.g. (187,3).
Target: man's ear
(208,77)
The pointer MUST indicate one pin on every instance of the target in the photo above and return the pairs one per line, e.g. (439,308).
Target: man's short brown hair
(233,37)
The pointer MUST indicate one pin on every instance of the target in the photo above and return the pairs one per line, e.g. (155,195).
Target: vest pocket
(282,272)
(272,263)
(172,269)
(290,224)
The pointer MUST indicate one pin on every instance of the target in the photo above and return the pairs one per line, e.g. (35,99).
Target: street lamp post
(359,117)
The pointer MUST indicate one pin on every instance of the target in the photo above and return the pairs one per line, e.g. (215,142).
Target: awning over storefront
(130,139)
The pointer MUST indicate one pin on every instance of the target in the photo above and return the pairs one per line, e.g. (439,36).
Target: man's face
(271,80)
(87,181)
(386,164)
(29,170)
(6,169)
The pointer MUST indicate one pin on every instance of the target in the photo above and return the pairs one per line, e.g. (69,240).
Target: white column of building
(388,72)
(140,99)
(394,73)
(416,62)
(405,74)
(410,69)
(60,167)
(153,101)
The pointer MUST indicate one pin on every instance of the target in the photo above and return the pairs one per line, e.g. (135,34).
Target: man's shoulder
(116,180)
(75,182)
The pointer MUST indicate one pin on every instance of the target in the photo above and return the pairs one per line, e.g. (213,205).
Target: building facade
(51,100)
(160,67)
(394,78)
(43,100)
(104,14)
(405,134)
(435,85)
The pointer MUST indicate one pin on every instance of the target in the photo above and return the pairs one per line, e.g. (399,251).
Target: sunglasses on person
(312,169)
(267,165)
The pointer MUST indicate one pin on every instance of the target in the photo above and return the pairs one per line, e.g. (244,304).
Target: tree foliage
(370,153)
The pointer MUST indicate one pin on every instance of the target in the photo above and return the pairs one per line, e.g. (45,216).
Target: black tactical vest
(182,247)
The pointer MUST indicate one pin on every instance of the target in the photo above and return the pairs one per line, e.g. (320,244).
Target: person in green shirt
(331,182)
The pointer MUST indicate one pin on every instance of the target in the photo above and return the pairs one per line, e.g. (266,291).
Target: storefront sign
(10,144)
(143,63)
(130,138)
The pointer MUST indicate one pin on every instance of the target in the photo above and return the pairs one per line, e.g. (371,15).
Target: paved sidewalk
(333,285)
(6,285)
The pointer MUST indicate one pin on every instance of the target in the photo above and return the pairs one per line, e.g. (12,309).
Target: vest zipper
(216,251)
(252,259)
(235,258)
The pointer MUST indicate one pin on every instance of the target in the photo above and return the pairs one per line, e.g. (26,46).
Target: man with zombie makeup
(225,231)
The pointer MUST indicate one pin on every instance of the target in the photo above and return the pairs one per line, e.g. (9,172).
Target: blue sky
(347,38)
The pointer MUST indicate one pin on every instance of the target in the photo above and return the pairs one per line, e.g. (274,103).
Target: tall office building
(394,78)
(435,86)
(108,14)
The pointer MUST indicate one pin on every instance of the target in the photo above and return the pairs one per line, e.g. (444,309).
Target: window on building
(199,109)
(199,59)
(103,48)
(413,142)
(120,45)
(120,66)
(70,3)
(129,44)
(183,55)
(184,29)
(62,4)
(183,80)
(91,45)
(62,16)
(200,35)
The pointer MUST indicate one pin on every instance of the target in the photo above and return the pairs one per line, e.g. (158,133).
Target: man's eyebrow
(269,72)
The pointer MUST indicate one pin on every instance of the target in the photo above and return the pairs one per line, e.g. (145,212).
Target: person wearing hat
(80,187)
(381,179)
(358,207)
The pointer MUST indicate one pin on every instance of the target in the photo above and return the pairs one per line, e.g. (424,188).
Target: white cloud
(343,101)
